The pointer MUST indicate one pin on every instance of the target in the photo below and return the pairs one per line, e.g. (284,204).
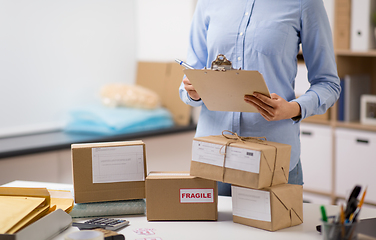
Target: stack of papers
(23,206)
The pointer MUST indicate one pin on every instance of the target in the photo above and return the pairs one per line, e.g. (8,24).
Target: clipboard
(223,88)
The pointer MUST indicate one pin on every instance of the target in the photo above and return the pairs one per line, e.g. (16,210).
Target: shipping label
(236,158)
(250,203)
(118,164)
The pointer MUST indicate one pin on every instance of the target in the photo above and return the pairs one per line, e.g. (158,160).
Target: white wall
(57,54)
(329,6)
(163,29)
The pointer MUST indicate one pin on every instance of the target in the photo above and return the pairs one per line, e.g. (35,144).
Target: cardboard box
(108,171)
(165,78)
(321,117)
(272,208)
(250,163)
(179,196)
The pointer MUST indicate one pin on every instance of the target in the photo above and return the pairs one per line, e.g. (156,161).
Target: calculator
(112,224)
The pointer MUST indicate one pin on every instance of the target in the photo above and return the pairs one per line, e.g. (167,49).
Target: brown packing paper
(286,205)
(274,163)
(163,200)
(86,191)
(225,90)
(62,199)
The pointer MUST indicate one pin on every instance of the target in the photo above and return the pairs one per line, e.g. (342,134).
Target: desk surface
(50,141)
(224,228)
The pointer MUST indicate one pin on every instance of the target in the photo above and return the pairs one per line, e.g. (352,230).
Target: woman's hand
(190,89)
(274,108)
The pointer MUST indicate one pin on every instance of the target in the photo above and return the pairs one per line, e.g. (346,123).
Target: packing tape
(85,235)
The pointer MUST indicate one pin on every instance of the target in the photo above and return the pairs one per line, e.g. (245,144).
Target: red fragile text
(196,195)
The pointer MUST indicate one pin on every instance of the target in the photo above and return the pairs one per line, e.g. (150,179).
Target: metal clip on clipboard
(221,63)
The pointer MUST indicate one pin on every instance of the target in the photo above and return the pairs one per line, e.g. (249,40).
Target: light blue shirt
(264,35)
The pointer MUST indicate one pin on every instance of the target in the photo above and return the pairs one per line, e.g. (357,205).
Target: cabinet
(355,162)
(349,155)
(316,146)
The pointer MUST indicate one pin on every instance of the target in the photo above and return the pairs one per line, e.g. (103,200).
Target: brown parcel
(85,190)
(274,161)
(283,205)
(164,78)
(179,196)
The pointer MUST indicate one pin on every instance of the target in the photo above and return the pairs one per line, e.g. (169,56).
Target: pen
(362,199)
(342,221)
(342,215)
(323,214)
(355,215)
(184,64)
(352,202)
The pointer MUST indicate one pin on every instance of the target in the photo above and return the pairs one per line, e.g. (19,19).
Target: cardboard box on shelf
(108,171)
(252,163)
(321,117)
(165,78)
(272,208)
(179,196)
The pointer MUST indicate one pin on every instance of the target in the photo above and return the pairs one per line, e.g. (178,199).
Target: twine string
(234,138)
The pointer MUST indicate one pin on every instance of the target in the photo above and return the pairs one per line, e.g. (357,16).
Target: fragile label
(202,195)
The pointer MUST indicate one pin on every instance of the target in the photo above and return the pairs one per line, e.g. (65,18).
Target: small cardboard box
(272,208)
(108,171)
(252,163)
(165,78)
(179,196)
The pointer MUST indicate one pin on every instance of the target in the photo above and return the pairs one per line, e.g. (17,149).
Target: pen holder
(337,231)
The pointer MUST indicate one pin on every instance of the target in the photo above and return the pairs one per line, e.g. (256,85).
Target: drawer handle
(306,133)
(362,141)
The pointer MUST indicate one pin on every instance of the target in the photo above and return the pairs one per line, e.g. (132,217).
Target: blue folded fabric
(103,120)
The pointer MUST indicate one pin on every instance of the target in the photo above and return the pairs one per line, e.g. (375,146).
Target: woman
(265,35)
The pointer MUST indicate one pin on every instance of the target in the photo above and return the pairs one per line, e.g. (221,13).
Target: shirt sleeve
(197,49)
(318,53)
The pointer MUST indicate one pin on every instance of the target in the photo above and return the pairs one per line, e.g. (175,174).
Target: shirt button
(239,58)
(241,34)
(246,13)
